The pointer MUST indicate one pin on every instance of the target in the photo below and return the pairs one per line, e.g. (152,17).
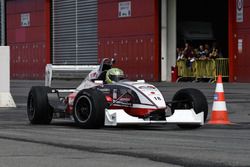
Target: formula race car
(106,98)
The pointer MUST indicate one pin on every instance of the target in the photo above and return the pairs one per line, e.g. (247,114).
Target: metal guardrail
(203,68)
(222,67)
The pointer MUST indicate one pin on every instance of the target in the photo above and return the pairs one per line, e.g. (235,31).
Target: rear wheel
(89,108)
(38,109)
(190,98)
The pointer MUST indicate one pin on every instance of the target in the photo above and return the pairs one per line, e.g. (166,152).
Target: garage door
(74,32)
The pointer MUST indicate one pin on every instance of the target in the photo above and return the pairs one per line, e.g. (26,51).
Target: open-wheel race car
(106,98)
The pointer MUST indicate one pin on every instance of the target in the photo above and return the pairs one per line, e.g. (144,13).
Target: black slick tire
(38,109)
(89,108)
(190,98)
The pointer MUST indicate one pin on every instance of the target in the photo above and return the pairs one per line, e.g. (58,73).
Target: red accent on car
(109,99)
(136,112)
(70,102)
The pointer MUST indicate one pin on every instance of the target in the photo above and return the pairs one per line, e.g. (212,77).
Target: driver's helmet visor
(116,78)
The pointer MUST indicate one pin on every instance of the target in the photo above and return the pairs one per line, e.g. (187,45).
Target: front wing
(115,117)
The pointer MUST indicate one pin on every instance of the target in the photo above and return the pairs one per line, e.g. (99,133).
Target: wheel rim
(31,108)
(83,109)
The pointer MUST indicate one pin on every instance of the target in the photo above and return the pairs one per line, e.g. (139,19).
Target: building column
(163,40)
(168,38)
(2,15)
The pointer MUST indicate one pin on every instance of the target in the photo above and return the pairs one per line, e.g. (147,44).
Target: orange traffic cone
(219,113)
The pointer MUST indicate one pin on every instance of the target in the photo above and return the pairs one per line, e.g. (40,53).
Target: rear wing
(67,72)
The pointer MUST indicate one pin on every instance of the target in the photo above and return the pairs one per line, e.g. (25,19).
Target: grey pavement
(64,144)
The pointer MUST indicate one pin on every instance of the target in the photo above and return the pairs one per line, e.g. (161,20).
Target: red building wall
(132,41)
(239,61)
(29,46)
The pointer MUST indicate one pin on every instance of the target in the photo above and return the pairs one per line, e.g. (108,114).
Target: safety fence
(203,68)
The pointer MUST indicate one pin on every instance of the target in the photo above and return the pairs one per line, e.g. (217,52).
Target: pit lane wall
(6,99)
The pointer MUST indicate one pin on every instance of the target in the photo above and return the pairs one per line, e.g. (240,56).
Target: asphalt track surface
(64,144)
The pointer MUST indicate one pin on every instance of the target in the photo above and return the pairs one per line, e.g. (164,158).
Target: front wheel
(190,98)
(89,108)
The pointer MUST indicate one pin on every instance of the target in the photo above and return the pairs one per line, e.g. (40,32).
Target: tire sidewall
(198,100)
(42,111)
(30,104)
(97,99)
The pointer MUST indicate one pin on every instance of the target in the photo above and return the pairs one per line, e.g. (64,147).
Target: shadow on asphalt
(234,126)
(168,127)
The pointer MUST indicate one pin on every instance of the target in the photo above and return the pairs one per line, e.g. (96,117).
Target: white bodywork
(116,117)
(144,90)
(149,96)
(147,93)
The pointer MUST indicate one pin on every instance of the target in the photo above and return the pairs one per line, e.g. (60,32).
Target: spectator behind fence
(215,53)
(207,50)
(179,54)
(202,55)
(188,54)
